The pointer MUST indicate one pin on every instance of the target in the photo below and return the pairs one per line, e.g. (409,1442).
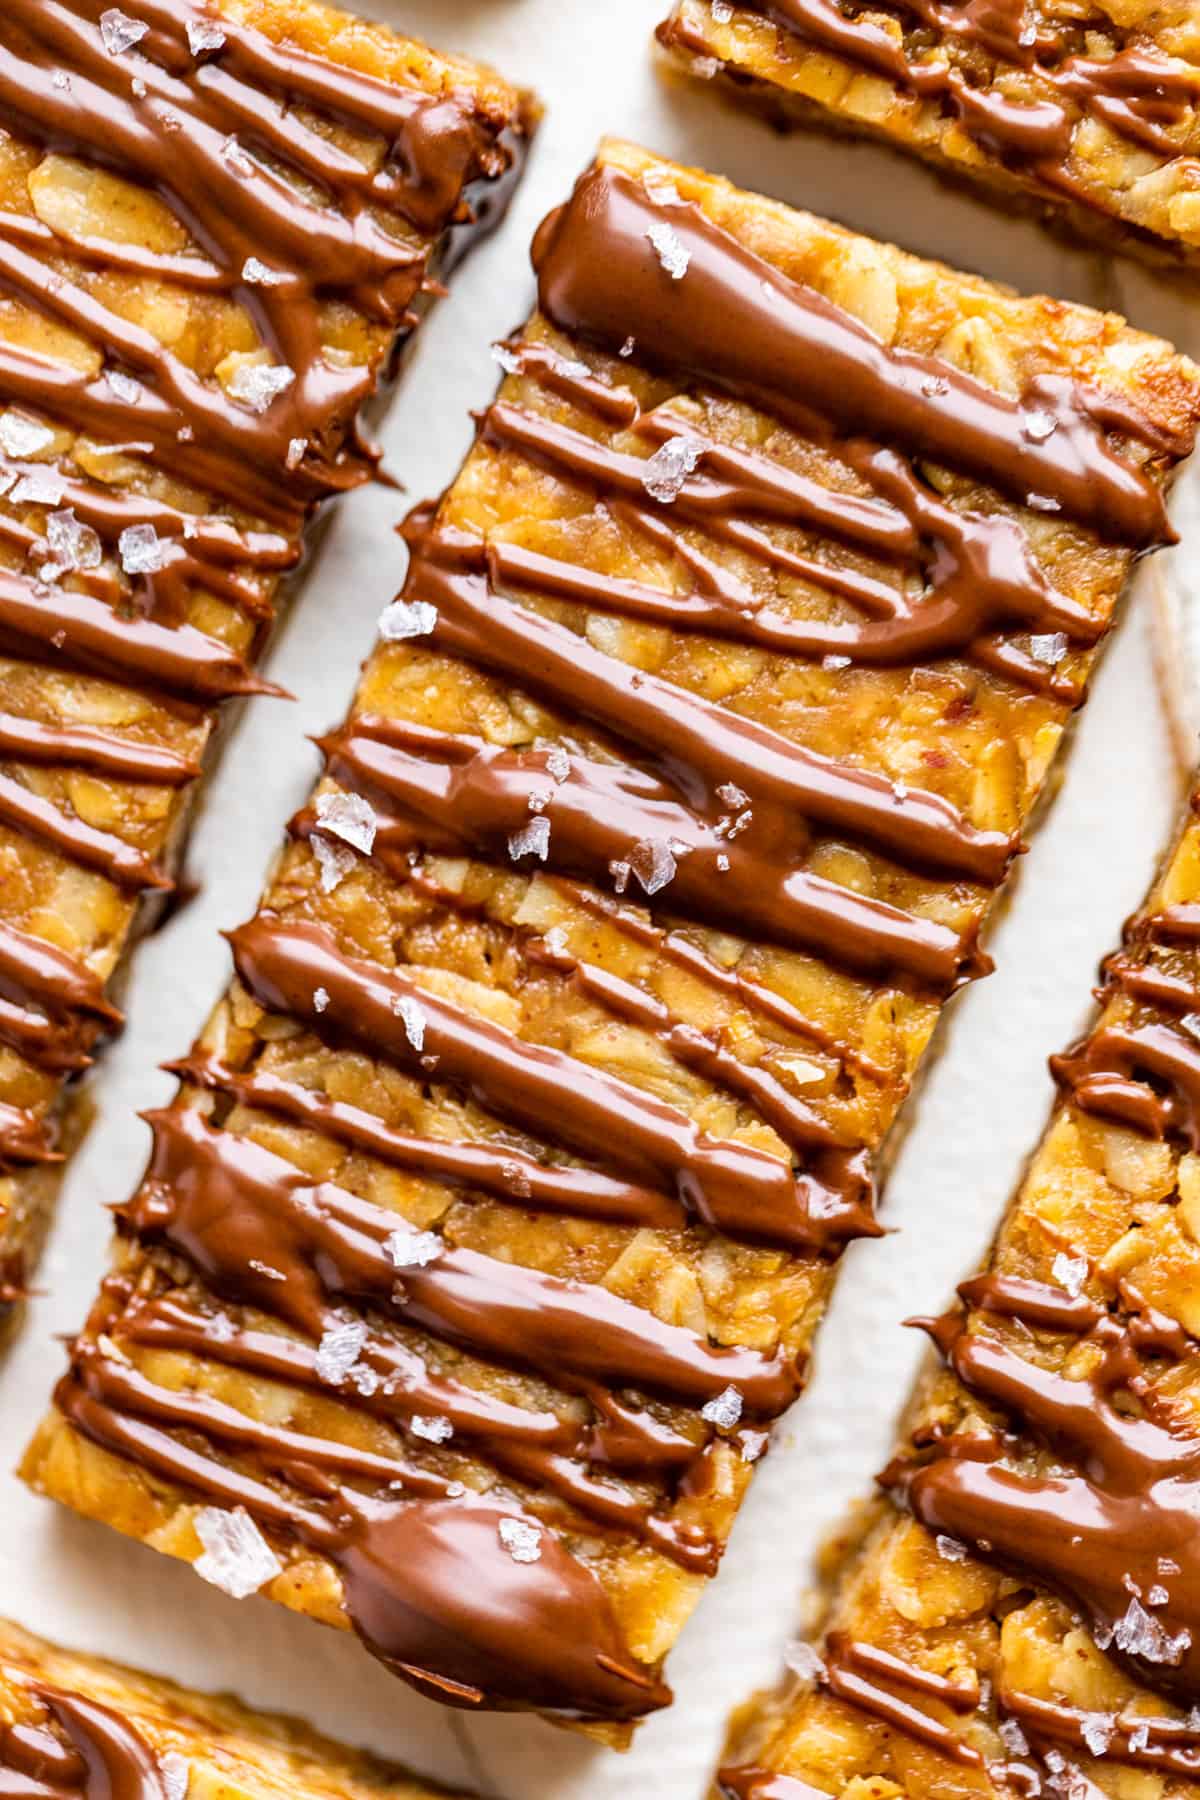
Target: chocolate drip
(426,1581)
(1113,1528)
(732,1186)
(51,1005)
(104,1756)
(223,137)
(1141,96)
(24,1138)
(1120,1069)
(737,320)
(544,1449)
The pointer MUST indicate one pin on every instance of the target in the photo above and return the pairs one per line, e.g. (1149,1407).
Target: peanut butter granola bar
(218,223)
(1021,1615)
(496,1214)
(74,1725)
(1087,114)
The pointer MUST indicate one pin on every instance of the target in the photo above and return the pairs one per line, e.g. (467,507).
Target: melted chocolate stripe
(228,1204)
(510,1175)
(736,319)
(1136,93)
(596,821)
(1119,1521)
(695,743)
(51,1005)
(57,627)
(92,747)
(729,1185)
(1111,1073)
(23,810)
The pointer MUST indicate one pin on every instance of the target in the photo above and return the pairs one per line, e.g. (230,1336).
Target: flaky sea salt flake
(1013,1738)
(237,1558)
(259,275)
(141,549)
(413,1249)
(339,1350)
(725,1409)
(1048,647)
(1070,1272)
(204,34)
(348,817)
(653,863)
(407,619)
(1139,1633)
(1096,1730)
(118,32)
(664,473)
(333,860)
(21,436)
(558,763)
(521,1539)
(669,248)
(258,385)
(433,1430)
(949,1548)
(320,999)
(75,546)
(412,1014)
(532,840)
(721,11)
(41,487)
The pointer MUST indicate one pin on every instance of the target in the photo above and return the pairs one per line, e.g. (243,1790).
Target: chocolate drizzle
(103,1757)
(281,221)
(248,1262)
(1140,95)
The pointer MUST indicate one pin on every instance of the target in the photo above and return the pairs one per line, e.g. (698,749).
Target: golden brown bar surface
(504,1194)
(216,226)
(1085,115)
(75,1724)
(1029,1614)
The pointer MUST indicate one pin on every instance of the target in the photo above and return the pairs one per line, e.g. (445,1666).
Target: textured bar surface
(1086,115)
(505,1191)
(216,227)
(72,1725)
(1024,1605)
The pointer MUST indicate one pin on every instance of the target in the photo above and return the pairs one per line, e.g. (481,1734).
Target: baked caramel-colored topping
(78,1728)
(1039,1543)
(216,228)
(490,1231)
(1089,116)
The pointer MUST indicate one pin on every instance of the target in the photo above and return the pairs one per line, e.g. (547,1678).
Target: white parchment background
(979,1113)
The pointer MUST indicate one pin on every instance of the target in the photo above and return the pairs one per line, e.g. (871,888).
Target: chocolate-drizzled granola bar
(1088,115)
(493,1222)
(218,223)
(76,1727)
(1021,1614)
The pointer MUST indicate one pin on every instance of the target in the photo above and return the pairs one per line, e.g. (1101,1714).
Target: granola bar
(1020,1615)
(494,1220)
(74,1725)
(218,224)
(1087,116)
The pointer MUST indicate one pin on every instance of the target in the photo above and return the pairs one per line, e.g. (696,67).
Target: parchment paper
(975,1121)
